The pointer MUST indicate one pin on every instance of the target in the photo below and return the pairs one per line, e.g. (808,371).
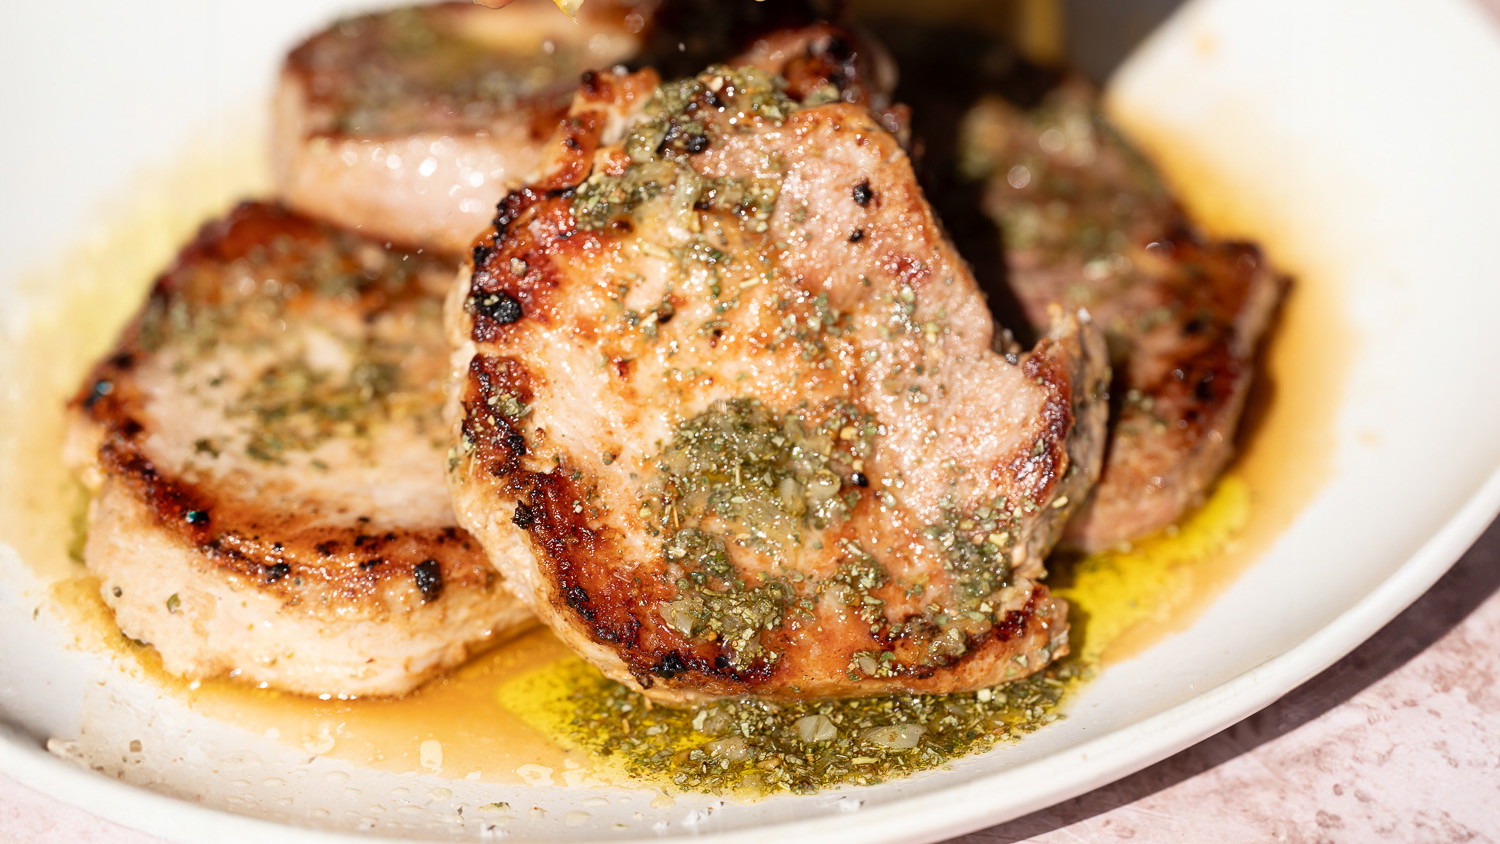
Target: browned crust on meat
(518,487)
(1077,415)
(282,555)
(580,567)
(825,60)
(1174,433)
(582,570)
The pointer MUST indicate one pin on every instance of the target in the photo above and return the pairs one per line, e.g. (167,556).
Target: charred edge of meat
(546,506)
(428,576)
(171,501)
(606,87)
(862,194)
(100,398)
(579,139)
(686,662)
(1213,361)
(184,511)
(508,211)
(551,511)
(497,390)
(497,307)
(561,531)
(480,254)
(1016,622)
(490,303)
(513,281)
(1040,473)
(178,507)
(709,665)
(1014,625)
(112,400)
(1206,379)
(834,57)
(523,517)
(590,86)
(247,227)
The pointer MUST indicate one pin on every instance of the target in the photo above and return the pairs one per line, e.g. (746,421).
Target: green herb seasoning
(740,473)
(854,583)
(296,407)
(661,147)
(323,332)
(976,551)
(754,748)
(715,602)
(769,475)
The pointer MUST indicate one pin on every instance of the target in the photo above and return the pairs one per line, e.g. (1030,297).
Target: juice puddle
(498,718)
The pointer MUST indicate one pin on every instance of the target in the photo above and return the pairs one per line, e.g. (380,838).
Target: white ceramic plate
(1357,139)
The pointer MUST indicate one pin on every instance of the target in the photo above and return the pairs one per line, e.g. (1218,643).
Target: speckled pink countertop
(1397,742)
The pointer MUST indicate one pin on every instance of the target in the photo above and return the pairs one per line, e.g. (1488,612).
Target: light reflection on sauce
(465,725)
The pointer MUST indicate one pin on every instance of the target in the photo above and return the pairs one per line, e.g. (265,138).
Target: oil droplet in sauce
(500,718)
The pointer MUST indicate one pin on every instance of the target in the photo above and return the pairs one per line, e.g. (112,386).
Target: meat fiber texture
(731,418)
(266,453)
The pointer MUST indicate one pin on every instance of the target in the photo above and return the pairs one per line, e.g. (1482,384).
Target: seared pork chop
(266,452)
(410,124)
(1087,224)
(731,421)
